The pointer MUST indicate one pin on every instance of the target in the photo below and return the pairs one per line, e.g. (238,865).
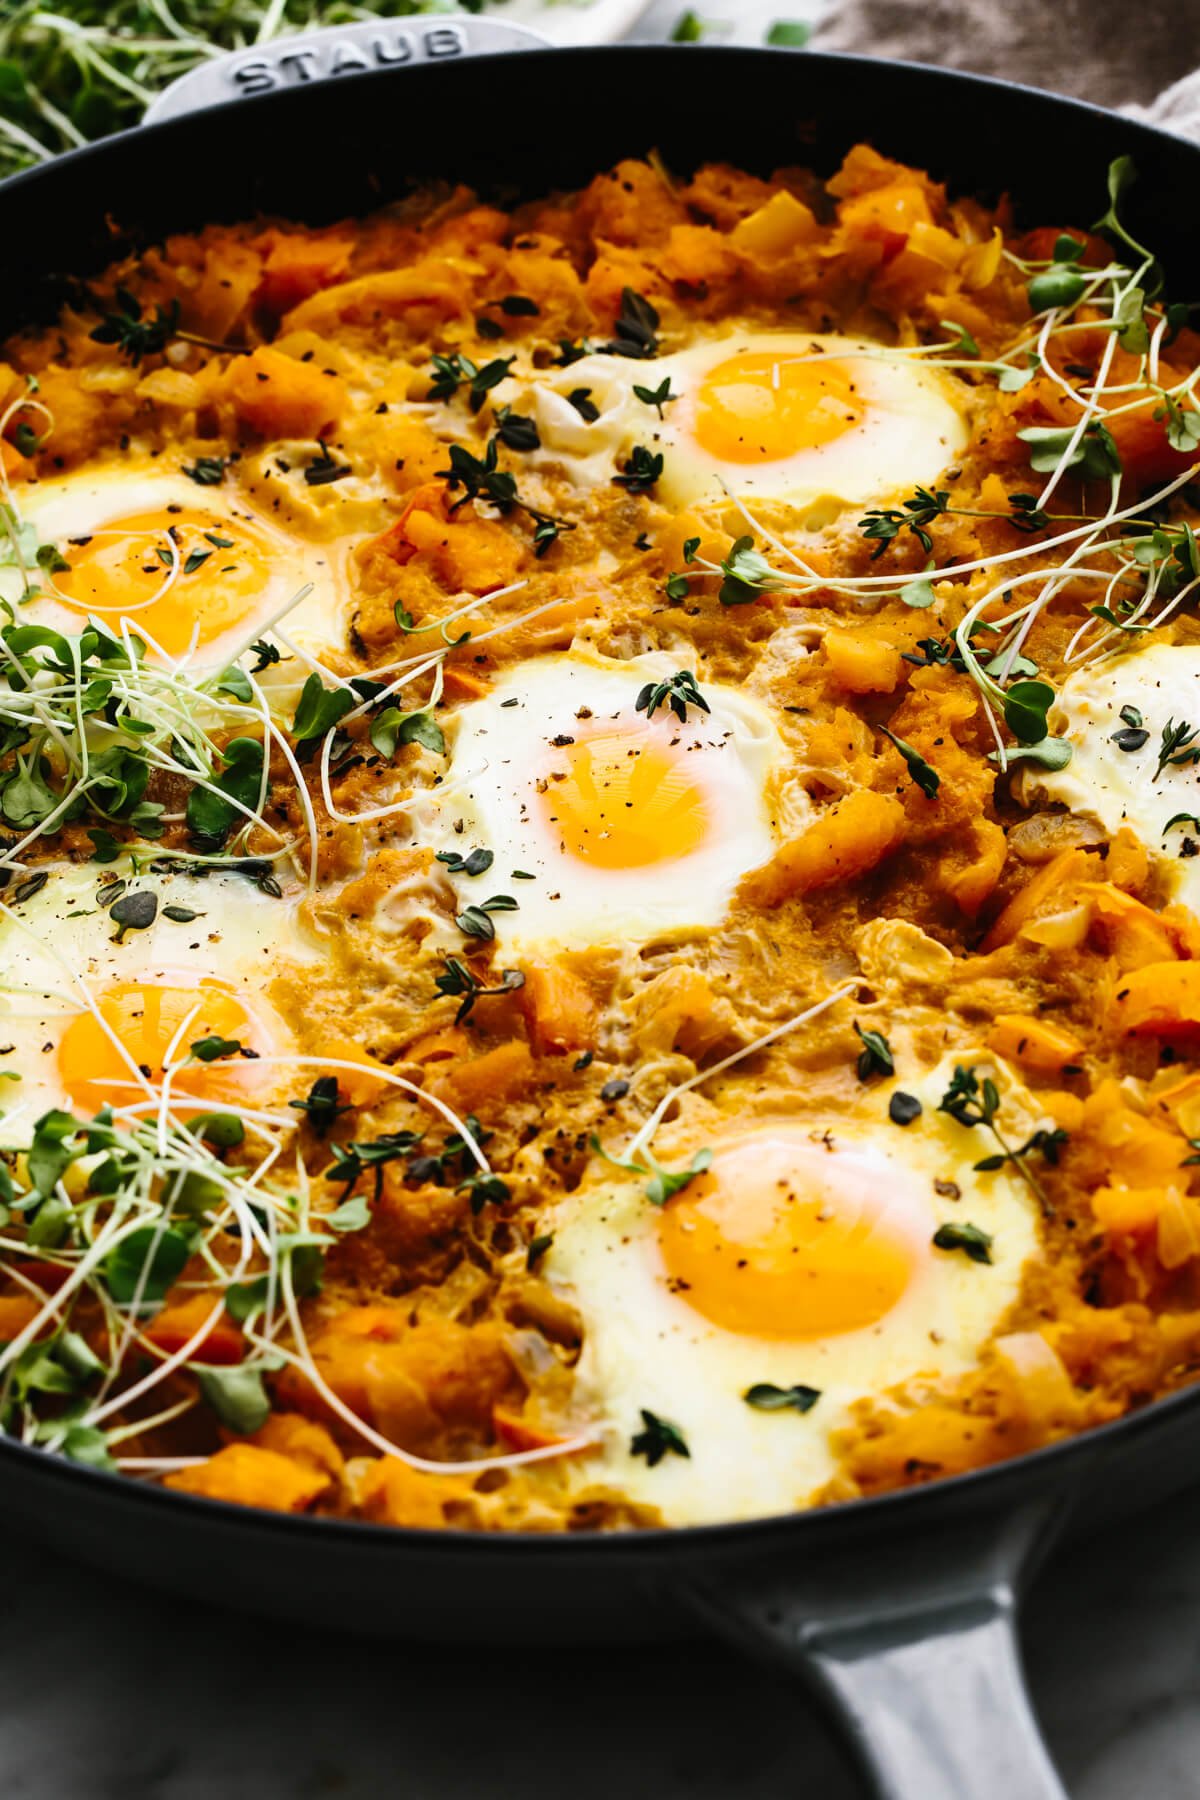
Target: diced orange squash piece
(410,1381)
(250,1476)
(884,211)
(279,397)
(714,546)
(11,460)
(1160,997)
(415,455)
(862,663)
(16,1312)
(1181,1102)
(232,274)
(558,1009)
(932,1440)
(844,841)
(1127,864)
(1177,1237)
(298,265)
(290,1434)
(1041,1387)
(1065,1109)
(431,289)
(409,1224)
(466,553)
(1128,1211)
(463,684)
(394,1494)
(970,869)
(697,256)
(367,1082)
(390,868)
(488,1080)
(440,1046)
(1046,892)
(1133,1150)
(1129,931)
(179,1322)
(1036,1044)
(774,229)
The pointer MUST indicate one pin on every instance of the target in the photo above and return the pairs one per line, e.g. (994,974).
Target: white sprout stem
(380,1072)
(302,1359)
(175,1360)
(646,1134)
(167,1416)
(105,1243)
(158,1465)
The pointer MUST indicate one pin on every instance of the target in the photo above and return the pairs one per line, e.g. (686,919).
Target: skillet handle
(335,52)
(912,1645)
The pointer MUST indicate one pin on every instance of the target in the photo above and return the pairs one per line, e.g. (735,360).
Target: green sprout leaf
(150,1259)
(391,728)
(352,1215)
(320,709)
(1094,458)
(1059,286)
(964,344)
(237,1396)
(747,573)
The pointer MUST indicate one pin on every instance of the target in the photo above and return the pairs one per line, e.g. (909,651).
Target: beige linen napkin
(1142,56)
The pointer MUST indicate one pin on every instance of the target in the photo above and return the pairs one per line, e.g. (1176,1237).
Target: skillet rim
(996,89)
(897,1507)
(894,1508)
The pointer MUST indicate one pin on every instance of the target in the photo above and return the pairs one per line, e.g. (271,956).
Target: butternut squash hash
(600,823)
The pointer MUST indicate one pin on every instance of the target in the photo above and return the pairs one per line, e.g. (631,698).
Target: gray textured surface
(111,1693)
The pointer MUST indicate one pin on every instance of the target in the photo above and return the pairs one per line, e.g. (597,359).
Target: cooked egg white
(195,570)
(803,1257)
(1111,774)
(606,823)
(83,1006)
(823,422)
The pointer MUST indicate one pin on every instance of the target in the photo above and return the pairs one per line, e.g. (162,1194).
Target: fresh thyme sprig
(460,982)
(678,692)
(482,478)
(974,1102)
(882,526)
(137,334)
(1177,747)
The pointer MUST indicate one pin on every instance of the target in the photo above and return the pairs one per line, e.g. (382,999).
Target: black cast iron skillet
(901,1609)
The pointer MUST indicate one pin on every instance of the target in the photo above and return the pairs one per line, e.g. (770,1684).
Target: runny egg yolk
(169,573)
(784,1238)
(619,801)
(763,405)
(145,1018)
